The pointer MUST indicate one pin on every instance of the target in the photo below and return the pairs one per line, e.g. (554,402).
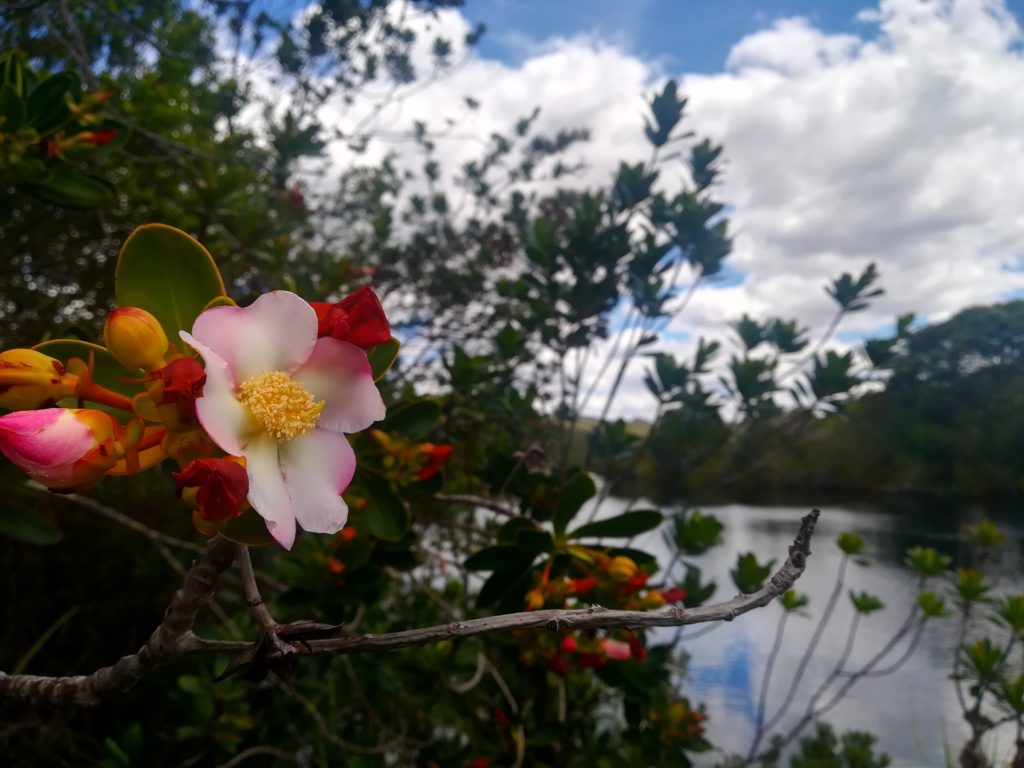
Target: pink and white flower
(63,448)
(284,399)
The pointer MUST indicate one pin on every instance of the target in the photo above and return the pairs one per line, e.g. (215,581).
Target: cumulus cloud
(901,144)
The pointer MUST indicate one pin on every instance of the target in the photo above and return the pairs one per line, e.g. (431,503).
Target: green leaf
(46,105)
(387,517)
(71,189)
(413,420)
(493,558)
(749,575)
(249,529)
(28,525)
(382,357)
(536,541)
(508,532)
(505,580)
(575,493)
(621,526)
(164,271)
(12,109)
(107,371)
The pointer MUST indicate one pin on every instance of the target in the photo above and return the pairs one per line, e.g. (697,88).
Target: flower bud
(534,599)
(622,568)
(62,448)
(616,649)
(135,338)
(222,487)
(183,381)
(29,379)
(358,319)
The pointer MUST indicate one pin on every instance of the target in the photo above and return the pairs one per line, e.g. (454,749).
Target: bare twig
(174,636)
(257,607)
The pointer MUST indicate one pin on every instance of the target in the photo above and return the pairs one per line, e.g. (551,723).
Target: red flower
(591,660)
(358,319)
(582,586)
(674,595)
(569,644)
(183,382)
(637,582)
(99,138)
(558,665)
(436,455)
(636,648)
(223,486)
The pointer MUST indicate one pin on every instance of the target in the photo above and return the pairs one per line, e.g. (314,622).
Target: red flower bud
(358,319)
(674,595)
(99,138)
(436,455)
(636,648)
(582,586)
(591,660)
(639,581)
(223,486)
(558,665)
(183,382)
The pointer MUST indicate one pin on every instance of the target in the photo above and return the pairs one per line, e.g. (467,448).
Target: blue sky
(682,35)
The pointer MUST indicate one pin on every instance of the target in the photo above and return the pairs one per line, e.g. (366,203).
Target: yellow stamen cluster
(280,404)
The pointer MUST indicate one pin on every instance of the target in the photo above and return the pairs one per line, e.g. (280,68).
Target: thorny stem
(257,607)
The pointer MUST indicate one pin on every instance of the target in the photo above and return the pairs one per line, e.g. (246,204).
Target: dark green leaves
(852,294)
(666,112)
(621,526)
(577,491)
(386,517)
(71,189)
(413,420)
(749,575)
(865,603)
(695,533)
(925,561)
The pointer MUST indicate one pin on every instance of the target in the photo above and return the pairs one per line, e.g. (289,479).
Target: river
(913,711)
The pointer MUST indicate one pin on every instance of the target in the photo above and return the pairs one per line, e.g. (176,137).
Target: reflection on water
(914,710)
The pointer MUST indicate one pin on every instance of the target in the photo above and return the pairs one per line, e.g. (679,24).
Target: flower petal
(267,492)
(51,437)
(274,333)
(317,468)
(225,420)
(339,374)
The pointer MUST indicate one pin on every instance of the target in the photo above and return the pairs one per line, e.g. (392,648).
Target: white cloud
(901,145)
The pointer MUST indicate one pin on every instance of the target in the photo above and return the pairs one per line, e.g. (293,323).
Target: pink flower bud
(62,448)
(616,649)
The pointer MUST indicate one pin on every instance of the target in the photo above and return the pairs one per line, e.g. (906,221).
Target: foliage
(478,493)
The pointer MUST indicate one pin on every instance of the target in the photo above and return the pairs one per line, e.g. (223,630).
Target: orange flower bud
(622,568)
(28,379)
(534,599)
(135,338)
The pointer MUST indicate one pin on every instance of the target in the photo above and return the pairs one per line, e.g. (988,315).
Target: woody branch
(175,638)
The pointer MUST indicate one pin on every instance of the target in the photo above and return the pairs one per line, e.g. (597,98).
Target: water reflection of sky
(913,711)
